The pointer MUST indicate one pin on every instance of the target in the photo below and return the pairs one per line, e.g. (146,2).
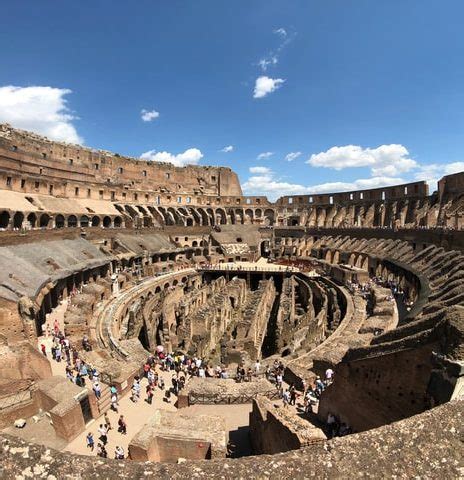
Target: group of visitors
(246,374)
(103,431)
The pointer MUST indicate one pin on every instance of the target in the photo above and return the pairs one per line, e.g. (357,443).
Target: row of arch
(20,220)
(148,215)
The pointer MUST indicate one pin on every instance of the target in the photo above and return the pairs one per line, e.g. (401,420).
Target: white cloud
(281,32)
(432,172)
(385,160)
(40,109)
(229,148)
(266,182)
(191,156)
(261,170)
(149,115)
(292,156)
(266,85)
(264,155)
(360,184)
(266,62)
(272,57)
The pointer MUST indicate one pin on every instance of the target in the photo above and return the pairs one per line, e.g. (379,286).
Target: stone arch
(196,216)
(107,222)
(72,221)
(203,215)
(32,219)
(249,215)
(18,219)
(258,213)
(178,220)
(239,216)
(221,217)
(210,214)
(269,216)
(117,222)
(4,219)
(44,220)
(84,221)
(156,215)
(95,221)
(168,216)
(231,215)
(59,221)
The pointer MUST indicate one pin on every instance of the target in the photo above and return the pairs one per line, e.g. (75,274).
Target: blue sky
(363,93)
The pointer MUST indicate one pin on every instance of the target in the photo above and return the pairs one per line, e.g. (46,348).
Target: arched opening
(221,217)
(117,222)
(4,219)
(59,221)
(143,337)
(189,222)
(84,221)
(32,219)
(106,222)
(18,220)
(269,214)
(95,221)
(264,249)
(72,221)
(44,220)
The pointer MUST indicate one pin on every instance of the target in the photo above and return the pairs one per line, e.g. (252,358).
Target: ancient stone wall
(274,429)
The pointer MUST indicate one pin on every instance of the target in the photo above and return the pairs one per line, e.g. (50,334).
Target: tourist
(43,348)
(103,431)
(122,427)
(107,421)
(167,396)
(293,394)
(136,390)
(257,367)
(249,374)
(79,380)
(119,453)
(114,402)
(90,441)
(286,398)
(101,451)
(97,390)
(329,373)
(149,391)
(319,386)
(175,384)
(331,425)
(279,381)
(58,353)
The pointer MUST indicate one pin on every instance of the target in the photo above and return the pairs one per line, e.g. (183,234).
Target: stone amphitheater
(139,258)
